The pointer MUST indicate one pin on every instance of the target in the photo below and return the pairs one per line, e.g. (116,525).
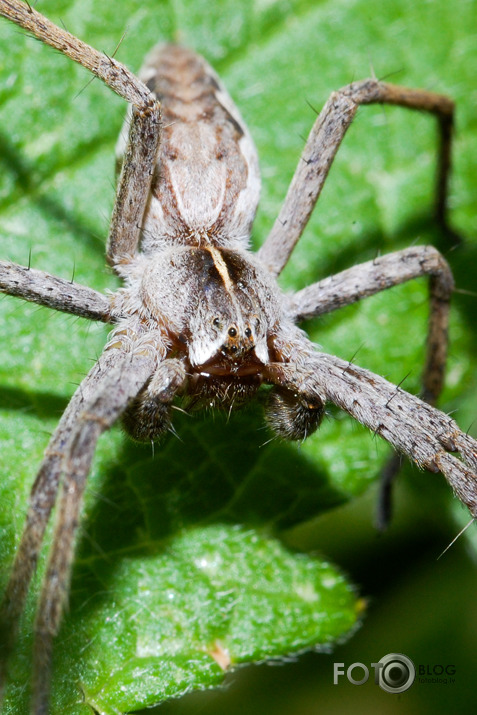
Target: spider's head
(220,306)
(236,311)
(227,340)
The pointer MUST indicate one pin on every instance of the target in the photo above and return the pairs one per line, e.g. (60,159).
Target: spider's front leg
(425,435)
(102,397)
(43,496)
(373,277)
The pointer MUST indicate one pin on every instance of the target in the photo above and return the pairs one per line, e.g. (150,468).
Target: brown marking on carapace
(221,267)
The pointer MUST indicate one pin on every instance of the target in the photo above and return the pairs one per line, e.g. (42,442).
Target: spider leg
(113,393)
(415,428)
(384,272)
(52,292)
(104,393)
(370,278)
(323,142)
(136,174)
(114,74)
(44,491)
(134,183)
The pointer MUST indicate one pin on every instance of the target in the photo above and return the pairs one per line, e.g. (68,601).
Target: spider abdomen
(207,183)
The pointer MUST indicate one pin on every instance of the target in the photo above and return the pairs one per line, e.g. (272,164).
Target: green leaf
(156,526)
(156,620)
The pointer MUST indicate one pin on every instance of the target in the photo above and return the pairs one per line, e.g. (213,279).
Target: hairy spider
(200,318)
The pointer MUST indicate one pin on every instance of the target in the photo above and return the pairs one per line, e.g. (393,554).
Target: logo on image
(394,673)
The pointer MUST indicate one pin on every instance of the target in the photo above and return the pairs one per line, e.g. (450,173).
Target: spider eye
(232,332)
(248,332)
(216,322)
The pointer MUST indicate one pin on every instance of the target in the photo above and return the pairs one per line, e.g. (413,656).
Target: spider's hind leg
(144,133)
(323,142)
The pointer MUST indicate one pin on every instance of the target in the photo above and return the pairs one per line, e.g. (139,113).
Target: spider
(200,318)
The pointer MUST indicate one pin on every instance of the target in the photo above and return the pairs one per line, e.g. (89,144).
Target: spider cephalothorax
(217,319)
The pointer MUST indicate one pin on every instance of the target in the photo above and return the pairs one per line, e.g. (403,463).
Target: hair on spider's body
(222,317)
(202,320)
